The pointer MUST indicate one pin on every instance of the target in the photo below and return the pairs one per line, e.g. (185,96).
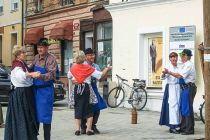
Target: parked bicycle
(137,98)
(202,110)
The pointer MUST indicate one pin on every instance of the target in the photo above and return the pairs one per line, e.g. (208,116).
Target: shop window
(39,6)
(104,44)
(66,56)
(1,7)
(14,5)
(67,2)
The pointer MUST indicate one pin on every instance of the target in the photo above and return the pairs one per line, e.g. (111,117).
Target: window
(1,7)
(67,2)
(14,5)
(104,44)
(39,5)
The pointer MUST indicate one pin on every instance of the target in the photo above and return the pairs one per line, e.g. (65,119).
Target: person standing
(44,89)
(84,96)
(90,58)
(153,55)
(21,115)
(186,77)
(170,112)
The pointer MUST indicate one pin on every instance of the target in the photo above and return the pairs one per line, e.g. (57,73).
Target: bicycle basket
(141,83)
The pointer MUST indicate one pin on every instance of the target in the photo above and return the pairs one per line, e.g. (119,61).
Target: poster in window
(155,62)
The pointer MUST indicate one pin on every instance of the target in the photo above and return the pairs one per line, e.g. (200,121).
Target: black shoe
(187,133)
(96,131)
(83,131)
(180,130)
(77,133)
(90,133)
(174,131)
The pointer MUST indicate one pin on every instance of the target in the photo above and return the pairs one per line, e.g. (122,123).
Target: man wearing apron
(187,76)
(90,58)
(46,64)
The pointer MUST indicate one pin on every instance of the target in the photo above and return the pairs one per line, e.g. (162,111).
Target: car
(6,86)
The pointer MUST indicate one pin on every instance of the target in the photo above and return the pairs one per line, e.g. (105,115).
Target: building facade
(10,28)
(170,25)
(70,25)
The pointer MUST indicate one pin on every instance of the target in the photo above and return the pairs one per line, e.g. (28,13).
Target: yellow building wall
(8,43)
(9,16)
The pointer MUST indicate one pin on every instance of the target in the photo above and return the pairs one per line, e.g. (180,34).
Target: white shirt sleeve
(185,71)
(97,74)
(19,74)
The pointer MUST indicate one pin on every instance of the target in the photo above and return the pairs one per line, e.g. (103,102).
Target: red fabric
(81,72)
(18,63)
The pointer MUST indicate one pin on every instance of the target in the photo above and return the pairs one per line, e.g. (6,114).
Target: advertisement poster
(182,37)
(155,62)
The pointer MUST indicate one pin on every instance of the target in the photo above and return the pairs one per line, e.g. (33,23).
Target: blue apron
(101,103)
(44,94)
(185,104)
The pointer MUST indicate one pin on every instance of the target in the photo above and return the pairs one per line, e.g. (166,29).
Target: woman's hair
(173,54)
(79,57)
(17,50)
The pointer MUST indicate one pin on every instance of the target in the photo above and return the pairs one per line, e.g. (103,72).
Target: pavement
(114,124)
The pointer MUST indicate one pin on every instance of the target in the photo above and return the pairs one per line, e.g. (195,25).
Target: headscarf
(81,72)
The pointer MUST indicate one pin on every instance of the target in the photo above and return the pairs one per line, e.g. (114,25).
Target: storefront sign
(182,37)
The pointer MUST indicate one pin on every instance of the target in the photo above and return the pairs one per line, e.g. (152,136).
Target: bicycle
(202,110)
(138,96)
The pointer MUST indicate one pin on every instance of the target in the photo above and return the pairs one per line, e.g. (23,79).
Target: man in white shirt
(186,77)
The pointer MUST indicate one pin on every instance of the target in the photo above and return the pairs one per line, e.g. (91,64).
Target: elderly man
(186,77)
(90,58)
(45,63)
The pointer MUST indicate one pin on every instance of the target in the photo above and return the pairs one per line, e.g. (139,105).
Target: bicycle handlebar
(121,78)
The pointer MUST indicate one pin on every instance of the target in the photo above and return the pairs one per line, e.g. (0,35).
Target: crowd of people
(177,107)
(31,101)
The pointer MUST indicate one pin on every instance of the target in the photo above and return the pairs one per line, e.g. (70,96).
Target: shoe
(174,131)
(96,131)
(187,133)
(2,125)
(180,130)
(90,133)
(77,133)
(83,131)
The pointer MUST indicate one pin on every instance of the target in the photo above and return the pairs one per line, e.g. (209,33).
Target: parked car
(6,86)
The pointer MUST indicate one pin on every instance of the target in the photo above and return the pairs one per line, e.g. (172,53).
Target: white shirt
(171,79)
(19,79)
(96,74)
(187,70)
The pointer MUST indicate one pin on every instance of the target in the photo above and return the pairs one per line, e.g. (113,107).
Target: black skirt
(83,108)
(21,118)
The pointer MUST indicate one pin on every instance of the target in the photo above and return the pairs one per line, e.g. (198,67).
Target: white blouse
(19,79)
(171,79)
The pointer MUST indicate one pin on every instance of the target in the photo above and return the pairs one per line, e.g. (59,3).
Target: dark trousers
(153,64)
(188,123)
(47,131)
(95,120)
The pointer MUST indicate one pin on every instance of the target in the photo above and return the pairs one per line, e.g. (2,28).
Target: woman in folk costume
(21,117)
(170,112)
(84,96)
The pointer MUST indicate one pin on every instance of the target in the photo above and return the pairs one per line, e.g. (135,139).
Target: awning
(62,30)
(33,35)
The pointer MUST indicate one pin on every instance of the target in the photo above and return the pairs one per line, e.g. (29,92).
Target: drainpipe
(22,22)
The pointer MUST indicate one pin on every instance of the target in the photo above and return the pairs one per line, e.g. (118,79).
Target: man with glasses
(90,58)
(186,77)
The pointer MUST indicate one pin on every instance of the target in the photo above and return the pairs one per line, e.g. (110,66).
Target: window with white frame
(14,4)
(67,2)
(39,5)
(1,7)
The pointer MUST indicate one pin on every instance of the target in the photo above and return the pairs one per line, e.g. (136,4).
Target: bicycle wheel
(139,98)
(115,97)
(202,112)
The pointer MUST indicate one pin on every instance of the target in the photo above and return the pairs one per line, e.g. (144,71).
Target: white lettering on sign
(207,57)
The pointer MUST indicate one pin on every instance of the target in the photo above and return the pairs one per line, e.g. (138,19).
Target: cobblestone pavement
(115,124)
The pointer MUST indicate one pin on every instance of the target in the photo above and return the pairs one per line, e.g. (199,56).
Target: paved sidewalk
(115,124)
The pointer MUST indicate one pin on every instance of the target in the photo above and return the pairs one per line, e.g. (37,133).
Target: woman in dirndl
(21,118)
(84,96)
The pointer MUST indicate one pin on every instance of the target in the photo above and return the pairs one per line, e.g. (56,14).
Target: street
(114,124)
